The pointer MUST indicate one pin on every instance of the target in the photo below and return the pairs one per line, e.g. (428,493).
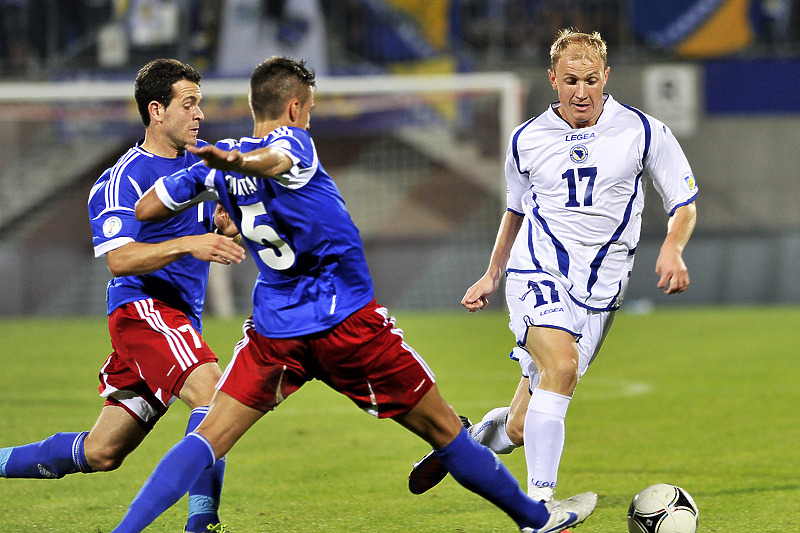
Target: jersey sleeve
(297,144)
(517,183)
(668,168)
(187,187)
(111,212)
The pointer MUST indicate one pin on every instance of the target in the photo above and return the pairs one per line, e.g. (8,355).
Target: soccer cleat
(429,471)
(215,528)
(566,513)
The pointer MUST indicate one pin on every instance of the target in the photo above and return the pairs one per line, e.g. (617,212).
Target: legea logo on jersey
(111,226)
(572,137)
(578,153)
(689,179)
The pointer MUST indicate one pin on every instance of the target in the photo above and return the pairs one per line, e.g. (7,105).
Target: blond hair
(591,45)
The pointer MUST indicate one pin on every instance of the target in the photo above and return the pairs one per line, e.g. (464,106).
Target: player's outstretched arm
(262,163)
(672,271)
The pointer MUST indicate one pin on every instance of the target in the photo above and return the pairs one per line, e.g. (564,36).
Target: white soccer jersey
(582,194)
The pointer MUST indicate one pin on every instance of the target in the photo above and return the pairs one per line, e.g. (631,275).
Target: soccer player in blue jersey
(155,299)
(566,245)
(314,312)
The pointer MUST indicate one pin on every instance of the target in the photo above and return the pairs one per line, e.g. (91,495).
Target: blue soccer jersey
(181,284)
(312,270)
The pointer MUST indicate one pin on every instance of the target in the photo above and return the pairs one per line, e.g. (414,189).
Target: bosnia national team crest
(111,226)
(689,179)
(578,153)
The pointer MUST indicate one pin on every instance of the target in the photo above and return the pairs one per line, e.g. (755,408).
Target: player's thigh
(552,349)
(226,422)
(199,387)
(114,436)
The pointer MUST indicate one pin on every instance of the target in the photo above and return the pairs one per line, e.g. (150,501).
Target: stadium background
(722,73)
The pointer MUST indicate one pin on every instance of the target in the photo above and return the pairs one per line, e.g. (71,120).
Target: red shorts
(364,358)
(155,350)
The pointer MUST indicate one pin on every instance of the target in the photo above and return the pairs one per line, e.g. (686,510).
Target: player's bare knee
(104,459)
(563,374)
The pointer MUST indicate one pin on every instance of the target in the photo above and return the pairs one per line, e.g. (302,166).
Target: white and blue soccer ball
(663,508)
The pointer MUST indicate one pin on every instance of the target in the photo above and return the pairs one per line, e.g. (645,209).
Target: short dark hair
(274,82)
(155,80)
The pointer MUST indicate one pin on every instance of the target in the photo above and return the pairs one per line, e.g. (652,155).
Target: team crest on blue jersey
(578,153)
(689,179)
(111,226)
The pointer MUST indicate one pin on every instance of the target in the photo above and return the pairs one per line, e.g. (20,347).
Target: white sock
(491,431)
(544,438)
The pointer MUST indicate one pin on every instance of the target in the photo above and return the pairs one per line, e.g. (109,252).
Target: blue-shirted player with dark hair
(314,312)
(155,300)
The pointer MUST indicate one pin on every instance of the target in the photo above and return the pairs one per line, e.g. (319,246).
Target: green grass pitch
(705,398)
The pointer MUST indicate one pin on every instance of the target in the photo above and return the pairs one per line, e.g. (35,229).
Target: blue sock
(478,469)
(171,479)
(204,495)
(52,458)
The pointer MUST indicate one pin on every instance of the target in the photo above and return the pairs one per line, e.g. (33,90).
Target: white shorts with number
(539,299)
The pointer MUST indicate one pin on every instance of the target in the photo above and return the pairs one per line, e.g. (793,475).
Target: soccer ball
(662,508)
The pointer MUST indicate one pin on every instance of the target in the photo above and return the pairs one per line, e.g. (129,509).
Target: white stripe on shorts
(180,348)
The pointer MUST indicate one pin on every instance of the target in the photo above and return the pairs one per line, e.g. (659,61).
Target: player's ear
(294,109)
(552,76)
(156,110)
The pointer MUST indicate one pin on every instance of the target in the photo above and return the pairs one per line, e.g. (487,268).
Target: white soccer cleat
(566,513)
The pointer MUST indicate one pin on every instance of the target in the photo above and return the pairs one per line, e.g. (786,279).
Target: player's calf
(52,458)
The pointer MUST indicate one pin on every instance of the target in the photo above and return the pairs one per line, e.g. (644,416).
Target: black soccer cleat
(429,471)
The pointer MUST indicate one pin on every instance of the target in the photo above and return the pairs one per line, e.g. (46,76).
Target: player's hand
(215,249)
(216,157)
(224,223)
(477,296)
(672,272)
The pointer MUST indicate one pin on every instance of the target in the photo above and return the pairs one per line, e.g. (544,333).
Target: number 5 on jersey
(277,253)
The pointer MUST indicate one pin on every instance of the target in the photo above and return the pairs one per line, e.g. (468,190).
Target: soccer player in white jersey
(155,300)
(314,311)
(566,245)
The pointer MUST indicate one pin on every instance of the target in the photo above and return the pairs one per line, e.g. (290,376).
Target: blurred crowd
(43,38)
